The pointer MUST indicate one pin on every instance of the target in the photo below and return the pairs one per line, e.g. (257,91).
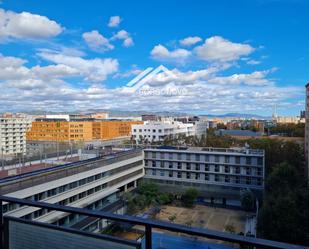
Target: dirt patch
(205,217)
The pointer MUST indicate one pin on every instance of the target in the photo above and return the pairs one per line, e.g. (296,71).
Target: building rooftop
(244,151)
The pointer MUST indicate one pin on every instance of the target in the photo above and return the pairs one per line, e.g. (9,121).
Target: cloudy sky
(224,56)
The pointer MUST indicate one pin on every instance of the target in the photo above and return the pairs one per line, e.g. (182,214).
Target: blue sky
(228,56)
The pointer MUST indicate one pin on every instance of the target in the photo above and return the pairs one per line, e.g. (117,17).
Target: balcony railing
(18,225)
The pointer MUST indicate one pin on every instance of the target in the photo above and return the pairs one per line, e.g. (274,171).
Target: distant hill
(121,113)
(237,115)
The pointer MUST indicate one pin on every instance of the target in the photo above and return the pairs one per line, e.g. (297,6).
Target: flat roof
(238,150)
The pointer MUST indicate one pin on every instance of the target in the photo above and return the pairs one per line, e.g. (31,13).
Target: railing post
(148,237)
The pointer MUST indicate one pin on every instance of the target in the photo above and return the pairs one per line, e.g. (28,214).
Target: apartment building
(62,130)
(95,183)
(113,129)
(158,131)
(215,171)
(13,130)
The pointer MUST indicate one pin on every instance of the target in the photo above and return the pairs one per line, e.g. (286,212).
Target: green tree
(172,218)
(230,228)
(189,197)
(247,200)
(284,215)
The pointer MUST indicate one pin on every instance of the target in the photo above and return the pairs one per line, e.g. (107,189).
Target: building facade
(78,130)
(13,135)
(214,171)
(94,184)
(158,131)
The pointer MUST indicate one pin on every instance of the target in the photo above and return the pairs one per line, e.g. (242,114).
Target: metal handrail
(149,224)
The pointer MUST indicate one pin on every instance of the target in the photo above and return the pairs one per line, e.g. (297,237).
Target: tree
(284,215)
(189,197)
(247,200)
(172,218)
(165,198)
(230,228)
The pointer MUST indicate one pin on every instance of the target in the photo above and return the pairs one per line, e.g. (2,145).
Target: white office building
(158,131)
(13,135)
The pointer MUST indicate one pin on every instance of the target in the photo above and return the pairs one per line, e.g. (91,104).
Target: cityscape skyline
(225,60)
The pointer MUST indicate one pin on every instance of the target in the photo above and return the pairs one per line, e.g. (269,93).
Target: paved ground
(205,217)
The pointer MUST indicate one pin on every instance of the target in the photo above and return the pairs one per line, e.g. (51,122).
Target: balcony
(21,233)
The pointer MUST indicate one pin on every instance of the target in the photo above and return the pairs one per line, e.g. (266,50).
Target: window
(248,160)
(207,177)
(226,159)
(227,179)
(197,176)
(188,175)
(248,180)
(170,165)
(162,164)
(207,158)
(188,157)
(260,161)
(197,157)
(188,166)
(178,165)
(217,168)
(227,169)
(248,171)
(178,174)
(170,174)
(217,159)
(162,173)
(206,167)
(197,167)
(154,172)
(259,172)
(237,160)
(216,178)
(237,170)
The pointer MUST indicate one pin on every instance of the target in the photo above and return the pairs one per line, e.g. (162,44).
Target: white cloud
(43,88)
(114,21)
(257,78)
(97,41)
(92,69)
(160,52)
(125,36)
(128,42)
(219,49)
(25,25)
(191,40)
(253,62)
(54,71)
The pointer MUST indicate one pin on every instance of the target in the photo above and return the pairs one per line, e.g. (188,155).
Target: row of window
(203,157)
(145,130)
(206,177)
(206,167)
